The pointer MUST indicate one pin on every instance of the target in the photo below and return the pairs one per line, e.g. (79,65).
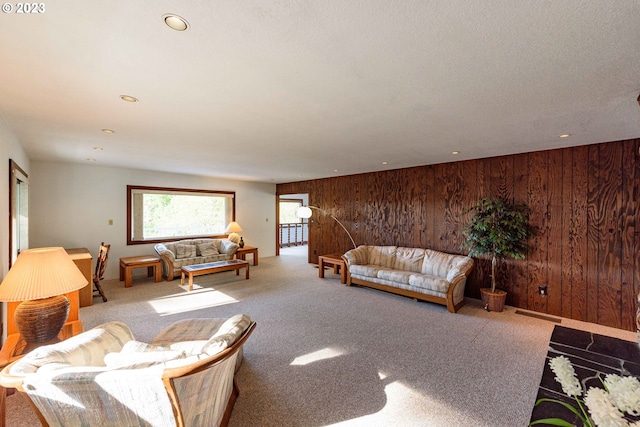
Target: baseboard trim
(539,316)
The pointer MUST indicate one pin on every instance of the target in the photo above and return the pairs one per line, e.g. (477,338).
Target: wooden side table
(241,253)
(129,263)
(338,266)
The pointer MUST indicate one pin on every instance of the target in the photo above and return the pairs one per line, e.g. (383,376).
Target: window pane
(288,210)
(157,214)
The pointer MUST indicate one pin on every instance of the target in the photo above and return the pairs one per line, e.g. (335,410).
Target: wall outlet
(542,290)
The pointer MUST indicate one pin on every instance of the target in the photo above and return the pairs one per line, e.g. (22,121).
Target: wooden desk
(82,258)
(338,266)
(241,253)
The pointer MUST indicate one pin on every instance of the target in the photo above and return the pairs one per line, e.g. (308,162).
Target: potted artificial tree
(500,230)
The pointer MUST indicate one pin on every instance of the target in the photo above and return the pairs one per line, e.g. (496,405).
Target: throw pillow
(185,251)
(135,354)
(208,249)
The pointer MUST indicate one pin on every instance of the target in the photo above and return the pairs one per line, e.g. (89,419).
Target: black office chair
(101,264)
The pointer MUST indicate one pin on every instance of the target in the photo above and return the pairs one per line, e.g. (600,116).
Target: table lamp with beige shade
(39,278)
(233,229)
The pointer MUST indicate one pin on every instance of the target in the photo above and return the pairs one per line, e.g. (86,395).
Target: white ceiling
(279,91)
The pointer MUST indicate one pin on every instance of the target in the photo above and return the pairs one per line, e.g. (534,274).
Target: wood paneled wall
(585,211)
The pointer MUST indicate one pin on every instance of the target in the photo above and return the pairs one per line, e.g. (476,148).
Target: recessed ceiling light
(128,98)
(98,148)
(175,22)
(384,163)
(108,131)
(565,135)
(455,153)
(335,170)
(91,160)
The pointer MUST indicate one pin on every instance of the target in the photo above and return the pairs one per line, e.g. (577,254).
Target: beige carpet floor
(324,354)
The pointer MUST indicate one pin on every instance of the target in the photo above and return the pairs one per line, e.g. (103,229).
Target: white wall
(71,205)
(10,148)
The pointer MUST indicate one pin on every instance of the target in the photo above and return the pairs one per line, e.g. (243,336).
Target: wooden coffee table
(338,265)
(212,267)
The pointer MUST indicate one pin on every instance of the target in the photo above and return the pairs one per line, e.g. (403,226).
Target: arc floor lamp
(305,212)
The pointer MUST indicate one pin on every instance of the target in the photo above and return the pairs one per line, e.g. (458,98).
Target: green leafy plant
(498,229)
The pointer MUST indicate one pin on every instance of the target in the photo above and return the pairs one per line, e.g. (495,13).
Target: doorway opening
(293,232)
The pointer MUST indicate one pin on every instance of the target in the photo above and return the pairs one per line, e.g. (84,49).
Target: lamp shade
(304,212)
(233,227)
(41,273)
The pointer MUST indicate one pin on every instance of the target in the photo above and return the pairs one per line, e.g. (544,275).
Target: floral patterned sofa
(176,255)
(424,274)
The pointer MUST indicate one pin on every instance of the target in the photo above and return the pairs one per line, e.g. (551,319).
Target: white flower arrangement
(601,407)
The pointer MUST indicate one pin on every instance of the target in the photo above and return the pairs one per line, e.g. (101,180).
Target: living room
(397,184)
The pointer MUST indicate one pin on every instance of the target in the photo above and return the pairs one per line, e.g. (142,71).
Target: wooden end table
(241,253)
(212,267)
(338,266)
(128,264)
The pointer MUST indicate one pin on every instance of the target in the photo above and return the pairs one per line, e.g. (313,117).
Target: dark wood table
(338,266)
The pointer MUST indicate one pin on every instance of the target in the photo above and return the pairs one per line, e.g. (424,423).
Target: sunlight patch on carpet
(325,353)
(411,406)
(186,287)
(190,301)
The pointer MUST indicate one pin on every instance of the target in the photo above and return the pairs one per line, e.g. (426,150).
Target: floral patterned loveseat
(176,255)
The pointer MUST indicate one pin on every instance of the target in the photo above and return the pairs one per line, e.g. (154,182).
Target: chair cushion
(409,259)
(86,349)
(185,251)
(364,270)
(397,276)
(429,282)
(136,354)
(384,256)
(207,249)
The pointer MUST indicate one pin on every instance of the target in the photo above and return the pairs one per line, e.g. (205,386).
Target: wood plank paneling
(609,248)
(557,242)
(501,185)
(481,275)
(566,238)
(594,227)
(636,249)
(537,200)
(519,273)
(629,213)
(429,208)
(579,232)
(584,203)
